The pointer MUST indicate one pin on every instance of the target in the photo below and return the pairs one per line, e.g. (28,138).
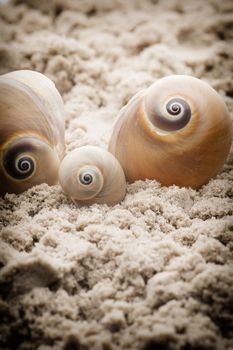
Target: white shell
(90,175)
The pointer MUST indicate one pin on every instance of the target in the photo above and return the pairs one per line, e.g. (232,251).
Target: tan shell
(178,131)
(31,131)
(90,175)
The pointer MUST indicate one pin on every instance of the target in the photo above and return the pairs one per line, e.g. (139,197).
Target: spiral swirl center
(24,164)
(174,108)
(18,163)
(86,178)
(19,167)
(173,115)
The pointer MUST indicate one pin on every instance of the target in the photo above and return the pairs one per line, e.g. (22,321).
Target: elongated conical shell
(90,175)
(178,131)
(31,131)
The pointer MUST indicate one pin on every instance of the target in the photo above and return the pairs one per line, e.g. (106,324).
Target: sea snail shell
(178,131)
(90,175)
(31,131)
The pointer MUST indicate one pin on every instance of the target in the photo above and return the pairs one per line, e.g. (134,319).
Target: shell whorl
(173,115)
(27,161)
(178,131)
(89,181)
(21,164)
(31,131)
(90,175)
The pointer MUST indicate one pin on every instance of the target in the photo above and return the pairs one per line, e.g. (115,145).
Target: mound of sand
(155,271)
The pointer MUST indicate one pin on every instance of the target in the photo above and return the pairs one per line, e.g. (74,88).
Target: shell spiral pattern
(90,175)
(178,131)
(31,131)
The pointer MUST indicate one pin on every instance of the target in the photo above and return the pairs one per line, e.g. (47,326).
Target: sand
(154,272)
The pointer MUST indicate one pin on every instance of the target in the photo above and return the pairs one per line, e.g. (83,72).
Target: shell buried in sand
(178,131)
(90,175)
(31,131)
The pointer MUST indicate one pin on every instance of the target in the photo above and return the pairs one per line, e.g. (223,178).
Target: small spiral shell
(178,131)
(31,131)
(90,175)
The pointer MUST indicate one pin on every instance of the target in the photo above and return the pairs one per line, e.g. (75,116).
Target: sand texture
(154,272)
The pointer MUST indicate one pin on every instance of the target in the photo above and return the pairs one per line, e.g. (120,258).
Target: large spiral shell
(90,175)
(178,131)
(31,131)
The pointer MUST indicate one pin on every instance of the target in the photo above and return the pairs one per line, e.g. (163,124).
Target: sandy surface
(154,272)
